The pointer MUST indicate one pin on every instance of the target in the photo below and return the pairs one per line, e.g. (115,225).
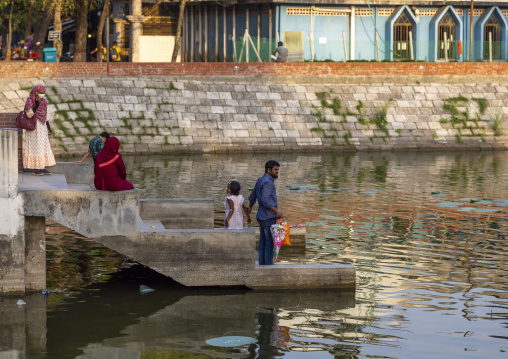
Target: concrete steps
(175,237)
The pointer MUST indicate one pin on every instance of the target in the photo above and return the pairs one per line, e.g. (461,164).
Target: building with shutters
(214,31)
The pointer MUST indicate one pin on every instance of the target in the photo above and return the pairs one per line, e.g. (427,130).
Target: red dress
(109,169)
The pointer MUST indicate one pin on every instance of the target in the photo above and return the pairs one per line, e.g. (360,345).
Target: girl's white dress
(236,220)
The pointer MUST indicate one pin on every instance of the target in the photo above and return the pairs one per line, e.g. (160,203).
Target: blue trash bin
(50,54)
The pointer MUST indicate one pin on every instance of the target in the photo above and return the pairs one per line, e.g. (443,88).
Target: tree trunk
(41,31)
(81,32)
(179,27)
(29,22)
(8,55)
(58,27)
(100,29)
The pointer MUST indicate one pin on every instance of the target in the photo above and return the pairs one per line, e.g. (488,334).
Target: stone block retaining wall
(163,114)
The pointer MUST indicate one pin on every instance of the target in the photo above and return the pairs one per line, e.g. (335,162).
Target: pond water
(425,231)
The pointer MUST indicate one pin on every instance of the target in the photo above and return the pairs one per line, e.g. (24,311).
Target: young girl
(234,205)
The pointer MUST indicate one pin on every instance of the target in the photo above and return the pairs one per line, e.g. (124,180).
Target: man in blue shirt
(268,213)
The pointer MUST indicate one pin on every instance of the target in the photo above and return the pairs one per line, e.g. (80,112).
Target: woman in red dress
(110,174)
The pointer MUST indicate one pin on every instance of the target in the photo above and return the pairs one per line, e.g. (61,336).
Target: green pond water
(425,231)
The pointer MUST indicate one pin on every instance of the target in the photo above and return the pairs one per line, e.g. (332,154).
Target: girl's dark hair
(234,187)
(105,135)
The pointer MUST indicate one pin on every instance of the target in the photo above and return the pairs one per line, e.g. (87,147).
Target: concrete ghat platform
(195,255)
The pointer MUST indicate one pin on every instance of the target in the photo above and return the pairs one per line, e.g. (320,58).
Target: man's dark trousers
(266,241)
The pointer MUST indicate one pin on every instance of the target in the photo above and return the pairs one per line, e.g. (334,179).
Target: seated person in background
(109,169)
(283,53)
(95,146)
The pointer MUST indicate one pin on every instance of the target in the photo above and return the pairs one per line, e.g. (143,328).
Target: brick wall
(8,120)
(22,69)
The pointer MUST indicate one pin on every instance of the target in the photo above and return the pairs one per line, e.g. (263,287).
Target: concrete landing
(150,226)
(56,181)
(174,237)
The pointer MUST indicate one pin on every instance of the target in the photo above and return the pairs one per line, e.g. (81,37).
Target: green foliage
(359,107)
(496,123)
(379,118)
(482,104)
(347,137)
(331,132)
(457,99)
(461,120)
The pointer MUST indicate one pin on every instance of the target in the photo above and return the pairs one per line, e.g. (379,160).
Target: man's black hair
(105,135)
(234,187)
(280,43)
(271,164)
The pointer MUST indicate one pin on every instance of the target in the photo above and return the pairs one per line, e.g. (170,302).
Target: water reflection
(112,320)
(426,232)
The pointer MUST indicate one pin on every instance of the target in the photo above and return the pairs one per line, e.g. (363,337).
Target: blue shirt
(264,193)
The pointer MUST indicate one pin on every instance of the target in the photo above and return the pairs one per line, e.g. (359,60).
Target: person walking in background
(37,153)
(109,169)
(234,206)
(95,146)
(103,51)
(268,213)
(283,53)
(115,52)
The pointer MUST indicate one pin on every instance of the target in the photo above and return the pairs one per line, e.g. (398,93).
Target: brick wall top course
(21,69)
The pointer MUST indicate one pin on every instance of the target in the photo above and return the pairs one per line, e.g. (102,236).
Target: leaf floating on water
(486,210)
(501,203)
(231,341)
(503,349)
(449,204)
(294,188)
(251,188)
(473,201)
(482,210)
(435,192)
(143,289)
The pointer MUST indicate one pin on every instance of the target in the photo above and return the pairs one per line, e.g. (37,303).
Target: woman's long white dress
(37,152)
